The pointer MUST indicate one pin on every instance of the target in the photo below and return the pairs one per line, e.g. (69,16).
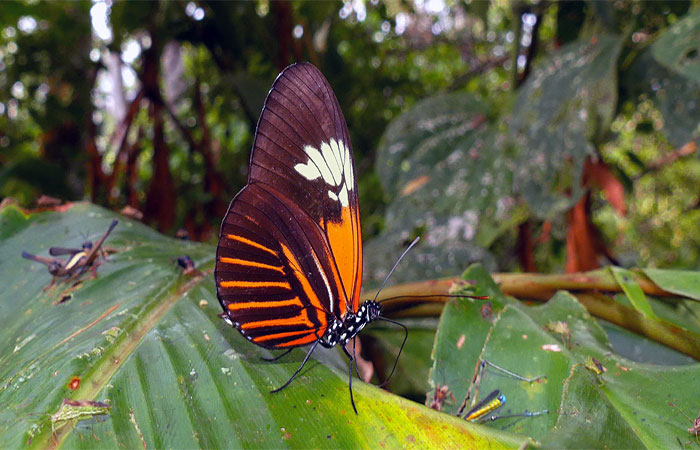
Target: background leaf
(562,110)
(448,174)
(624,404)
(682,282)
(677,48)
(634,292)
(673,95)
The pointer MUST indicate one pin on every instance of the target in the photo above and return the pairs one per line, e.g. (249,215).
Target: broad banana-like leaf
(134,356)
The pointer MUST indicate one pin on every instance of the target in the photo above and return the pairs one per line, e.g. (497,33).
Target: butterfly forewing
(302,145)
(302,166)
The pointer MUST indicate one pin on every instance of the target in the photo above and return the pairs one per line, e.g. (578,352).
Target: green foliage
(147,340)
(596,97)
(678,49)
(158,366)
(43,74)
(621,404)
(661,224)
(437,162)
(561,112)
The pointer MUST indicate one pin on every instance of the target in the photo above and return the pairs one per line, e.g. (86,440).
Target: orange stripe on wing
(269,304)
(235,237)
(343,243)
(306,286)
(254,284)
(270,337)
(301,319)
(246,262)
(297,342)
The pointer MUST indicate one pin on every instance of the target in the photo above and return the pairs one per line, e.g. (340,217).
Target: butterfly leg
(352,362)
(275,358)
(354,357)
(306,358)
(405,337)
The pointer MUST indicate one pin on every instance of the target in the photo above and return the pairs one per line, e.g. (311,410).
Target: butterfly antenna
(415,241)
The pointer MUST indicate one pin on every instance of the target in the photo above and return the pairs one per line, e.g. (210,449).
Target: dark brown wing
(302,149)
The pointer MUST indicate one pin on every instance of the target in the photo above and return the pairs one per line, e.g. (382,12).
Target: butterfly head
(369,311)
(343,330)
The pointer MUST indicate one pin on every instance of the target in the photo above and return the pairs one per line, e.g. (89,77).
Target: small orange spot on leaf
(74,383)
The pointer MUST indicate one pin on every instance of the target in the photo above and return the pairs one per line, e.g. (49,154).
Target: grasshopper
(480,411)
(71,410)
(77,410)
(77,262)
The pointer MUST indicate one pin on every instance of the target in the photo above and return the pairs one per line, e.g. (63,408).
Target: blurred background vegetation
(530,136)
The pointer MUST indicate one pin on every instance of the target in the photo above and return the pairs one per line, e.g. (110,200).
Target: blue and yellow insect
(495,400)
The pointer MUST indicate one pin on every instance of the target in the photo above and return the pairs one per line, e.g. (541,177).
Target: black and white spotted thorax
(341,331)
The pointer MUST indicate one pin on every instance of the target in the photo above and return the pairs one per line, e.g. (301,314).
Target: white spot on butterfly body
(332,163)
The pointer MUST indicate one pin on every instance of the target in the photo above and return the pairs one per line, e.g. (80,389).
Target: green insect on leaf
(77,410)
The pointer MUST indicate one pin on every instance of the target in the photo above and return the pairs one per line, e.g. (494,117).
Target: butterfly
(289,257)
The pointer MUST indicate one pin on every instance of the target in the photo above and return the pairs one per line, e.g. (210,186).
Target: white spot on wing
(320,162)
(330,155)
(333,164)
(308,171)
(349,175)
(343,197)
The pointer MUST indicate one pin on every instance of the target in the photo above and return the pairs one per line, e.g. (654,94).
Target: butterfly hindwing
(273,270)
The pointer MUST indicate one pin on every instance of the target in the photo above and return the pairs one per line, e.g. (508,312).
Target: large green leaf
(145,338)
(678,47)
(449,176)
(566,106)
(451,173)
(621,404)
